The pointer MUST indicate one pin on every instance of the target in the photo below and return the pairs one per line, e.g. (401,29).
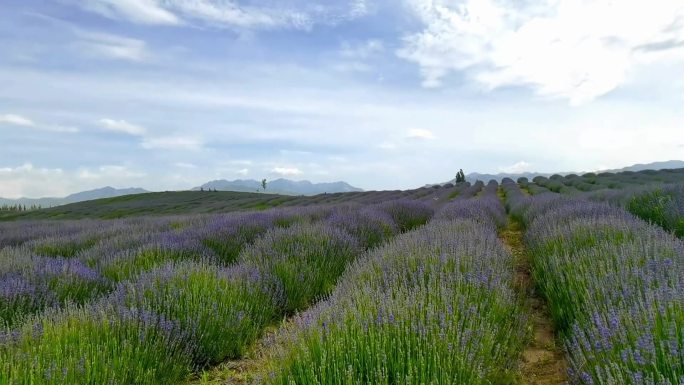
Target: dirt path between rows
(246,370)
(543,361)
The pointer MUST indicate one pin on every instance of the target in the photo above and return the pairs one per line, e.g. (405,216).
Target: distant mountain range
(105,192)
(291,187)
(472,177)
(279,186)
(651,166)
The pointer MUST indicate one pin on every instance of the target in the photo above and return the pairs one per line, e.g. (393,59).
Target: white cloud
(287,171)
(362,50)
(187,166)
(231,13)
(298,14)
(25,180)
(517,168)
(36,182)
(243,171)
(241,162)
(638,143)
(387,146)
(112,46)
(16,120)
(419,133)
(138,11)
(58,128)
(107,173)
(359,8)
(172,143)
(21,121)
(122,126)
(577,50)
(351,66)
(97,44)
(353,57)
(31,181)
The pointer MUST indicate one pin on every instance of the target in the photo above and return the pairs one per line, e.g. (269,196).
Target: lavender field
(341,192)
(444,285)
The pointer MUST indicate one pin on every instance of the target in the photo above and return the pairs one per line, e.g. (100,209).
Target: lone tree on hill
(460,176)
(263,184)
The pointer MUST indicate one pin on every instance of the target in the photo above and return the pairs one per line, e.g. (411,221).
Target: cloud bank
(574,50)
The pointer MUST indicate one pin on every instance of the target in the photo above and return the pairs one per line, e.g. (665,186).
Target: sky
(383,94)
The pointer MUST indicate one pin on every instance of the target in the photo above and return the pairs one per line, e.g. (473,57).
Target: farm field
(341,192)
(207,202)
(575,279)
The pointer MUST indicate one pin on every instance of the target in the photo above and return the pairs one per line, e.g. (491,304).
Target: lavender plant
(662,206)
(487,210)
(166,247)
(17,233)
(29,284)
(220,311)
(227,236)
(371,227)
(94,345)
(63,246)
(20,297)
(434,306)
(472,190)
(306,259)
(615,286)
(513,194)
(408,214)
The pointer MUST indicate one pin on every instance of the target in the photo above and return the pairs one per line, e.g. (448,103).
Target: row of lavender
(656,202)
(17,233)
(660,204)
(201,292)
(54,263)
(615,287)
(432,193)
(80,261)
(434,306)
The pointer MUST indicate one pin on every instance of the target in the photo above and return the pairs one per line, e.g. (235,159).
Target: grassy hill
(202,202)
(156,203)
